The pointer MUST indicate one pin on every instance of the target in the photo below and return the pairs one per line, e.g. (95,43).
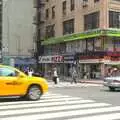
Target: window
(91,21)
(50,31)
(53,12)
(85,3)
(47,13)
(72,6)
(117,0)
(7,72)
(68,27)
(114,19)
(96,1)
(64,8)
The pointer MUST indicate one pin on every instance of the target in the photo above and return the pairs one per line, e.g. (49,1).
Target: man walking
(74,76)
(55,75)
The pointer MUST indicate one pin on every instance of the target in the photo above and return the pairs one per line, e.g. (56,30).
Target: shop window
(90,44)
(116,44)
(97,44)
(109,44)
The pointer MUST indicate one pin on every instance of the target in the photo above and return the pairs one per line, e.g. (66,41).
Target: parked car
(14,82)
(112,82)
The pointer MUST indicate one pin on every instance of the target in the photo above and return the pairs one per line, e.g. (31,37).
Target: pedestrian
(74,76)
(30,72)
(55,75)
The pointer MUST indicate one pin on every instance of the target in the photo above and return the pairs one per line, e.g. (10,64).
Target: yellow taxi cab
(14,82)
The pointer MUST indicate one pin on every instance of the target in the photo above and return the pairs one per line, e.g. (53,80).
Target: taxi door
(10,83)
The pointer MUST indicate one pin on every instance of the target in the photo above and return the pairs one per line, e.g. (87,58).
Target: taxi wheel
(34,93)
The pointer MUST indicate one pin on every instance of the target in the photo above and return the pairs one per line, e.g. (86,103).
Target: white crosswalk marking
(68,84)
(58,107)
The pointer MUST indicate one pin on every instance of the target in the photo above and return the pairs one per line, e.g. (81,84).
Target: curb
(92,82)
(85,81)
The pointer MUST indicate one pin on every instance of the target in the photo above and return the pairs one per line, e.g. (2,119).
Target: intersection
(57,104)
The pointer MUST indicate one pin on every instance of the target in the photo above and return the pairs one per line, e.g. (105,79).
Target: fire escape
(38,21)
(1,30)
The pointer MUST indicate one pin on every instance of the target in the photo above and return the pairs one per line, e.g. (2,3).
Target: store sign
(24,61)
(45,59)
(57,59)
(51,59)
(68,58)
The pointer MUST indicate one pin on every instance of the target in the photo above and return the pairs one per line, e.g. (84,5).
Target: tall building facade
(17,32)
(84,33)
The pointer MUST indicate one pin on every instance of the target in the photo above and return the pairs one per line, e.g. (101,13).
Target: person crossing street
(74,75)
(55,75)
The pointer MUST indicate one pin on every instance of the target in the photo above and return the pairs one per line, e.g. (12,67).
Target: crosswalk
(58,107)
(68,84)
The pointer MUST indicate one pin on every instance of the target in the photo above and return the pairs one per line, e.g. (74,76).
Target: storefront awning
(83,35)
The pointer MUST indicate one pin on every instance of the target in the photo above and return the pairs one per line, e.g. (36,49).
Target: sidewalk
(90,81)
(93,81)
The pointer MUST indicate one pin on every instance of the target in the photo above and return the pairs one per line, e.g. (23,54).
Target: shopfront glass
(90,71)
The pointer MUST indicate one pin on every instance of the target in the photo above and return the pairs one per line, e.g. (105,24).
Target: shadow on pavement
(11,99)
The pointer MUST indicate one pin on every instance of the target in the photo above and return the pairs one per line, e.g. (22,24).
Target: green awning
(83,35)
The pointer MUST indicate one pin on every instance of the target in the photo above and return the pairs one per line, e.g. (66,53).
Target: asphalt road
(97,93)
(66,102)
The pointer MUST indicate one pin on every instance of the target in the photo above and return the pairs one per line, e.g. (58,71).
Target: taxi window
(7,72)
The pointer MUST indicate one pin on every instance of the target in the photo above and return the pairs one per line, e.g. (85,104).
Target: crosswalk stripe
(57,106)
(59,96)
(110,116)
(64,114)
(68,84)
(43,101)
(48,104)
(53,109)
